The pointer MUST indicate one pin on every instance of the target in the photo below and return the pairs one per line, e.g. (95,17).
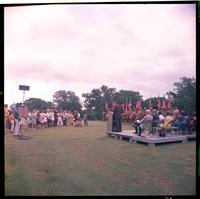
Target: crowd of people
(36,119)
(162,121)
(141,119)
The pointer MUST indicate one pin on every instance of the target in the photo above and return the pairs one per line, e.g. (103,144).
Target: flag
(129,105)
(126,105)
(163,103)
(106,106)
(169,102)
(113,105)
(158,102)
(150,105)
(138,105)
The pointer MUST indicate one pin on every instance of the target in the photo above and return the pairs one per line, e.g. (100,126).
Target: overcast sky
(143,48)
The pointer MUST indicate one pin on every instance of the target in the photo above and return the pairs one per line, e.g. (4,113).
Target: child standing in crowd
(71,118)
(60,123)
(12,121)
(85,120)
(55,118)
(52,118)
(45,119)
(34,117)
(64,118)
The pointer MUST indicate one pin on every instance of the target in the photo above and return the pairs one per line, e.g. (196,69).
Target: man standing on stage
(117,117)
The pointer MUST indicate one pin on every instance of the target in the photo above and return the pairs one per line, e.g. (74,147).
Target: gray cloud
(139,47)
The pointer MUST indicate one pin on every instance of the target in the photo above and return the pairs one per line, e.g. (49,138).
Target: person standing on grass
(42,120)
(55,118)
(85,120)
(12,121)
(38,119)
(70,118)
(60,123)
(29,120)
(34,117)
(48,118)
(45,119)
(16,115)
(52,118)
(64,118)
(6,114)
(17,128)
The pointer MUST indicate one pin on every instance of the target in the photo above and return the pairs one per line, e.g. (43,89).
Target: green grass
(84,161)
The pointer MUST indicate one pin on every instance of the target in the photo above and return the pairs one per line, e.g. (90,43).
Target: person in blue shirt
(182,122)
(16,115)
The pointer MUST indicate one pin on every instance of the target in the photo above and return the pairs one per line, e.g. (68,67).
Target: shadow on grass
(24,137)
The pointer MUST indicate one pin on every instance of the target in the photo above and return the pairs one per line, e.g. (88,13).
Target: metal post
(23,96)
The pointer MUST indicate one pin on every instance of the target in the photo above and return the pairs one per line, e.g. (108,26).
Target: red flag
(128,106)
(169,102)
(150,105)
(163,103)
(130,109)
(159,103)
(138,105)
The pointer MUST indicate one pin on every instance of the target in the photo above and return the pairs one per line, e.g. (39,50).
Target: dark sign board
(23,87)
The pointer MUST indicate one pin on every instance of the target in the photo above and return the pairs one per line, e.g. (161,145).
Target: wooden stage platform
(150,140)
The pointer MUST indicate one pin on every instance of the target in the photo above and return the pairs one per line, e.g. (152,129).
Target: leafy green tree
(37,103)
(95,101)
(67,100)
(107,94)
(184,94)
(126,96)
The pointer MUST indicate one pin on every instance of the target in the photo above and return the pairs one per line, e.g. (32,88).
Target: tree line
(98,100)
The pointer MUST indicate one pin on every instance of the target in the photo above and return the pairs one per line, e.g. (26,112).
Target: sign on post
(24,88)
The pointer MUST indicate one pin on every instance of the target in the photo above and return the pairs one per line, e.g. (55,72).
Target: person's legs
(12,126)
(140,131)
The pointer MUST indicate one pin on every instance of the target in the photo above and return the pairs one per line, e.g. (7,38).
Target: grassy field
(84,161)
